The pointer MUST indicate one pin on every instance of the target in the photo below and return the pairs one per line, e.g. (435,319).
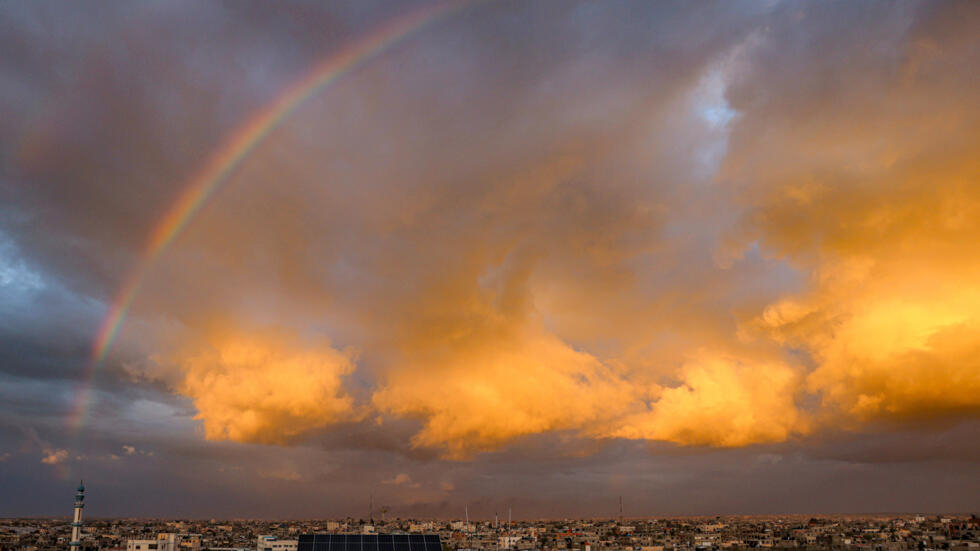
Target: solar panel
(369,542)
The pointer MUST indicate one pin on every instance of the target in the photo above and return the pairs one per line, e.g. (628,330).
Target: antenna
(620,509)
(508,518)
(467,509)
(371,509)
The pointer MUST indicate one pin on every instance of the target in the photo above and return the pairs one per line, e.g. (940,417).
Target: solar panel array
(365,542)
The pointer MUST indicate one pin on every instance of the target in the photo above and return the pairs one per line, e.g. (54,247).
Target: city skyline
(298,260)
(927,533)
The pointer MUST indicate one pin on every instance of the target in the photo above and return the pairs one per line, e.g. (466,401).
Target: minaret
(76,525)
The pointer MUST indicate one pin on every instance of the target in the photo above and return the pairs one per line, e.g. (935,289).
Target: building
(273,543)
(167,542)
(141,545)
(76,525)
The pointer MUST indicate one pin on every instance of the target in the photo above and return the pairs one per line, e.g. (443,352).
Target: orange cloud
(53,457)
(484,394)
(402,479)
(721,402)
(265,387)
(901,340)
(872,189)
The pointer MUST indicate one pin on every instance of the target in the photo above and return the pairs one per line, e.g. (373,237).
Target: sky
(712,257)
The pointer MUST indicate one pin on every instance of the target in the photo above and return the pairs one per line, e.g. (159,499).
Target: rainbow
(231,152)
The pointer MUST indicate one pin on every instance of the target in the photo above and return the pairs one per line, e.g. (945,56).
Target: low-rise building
(167,542)
(273,543)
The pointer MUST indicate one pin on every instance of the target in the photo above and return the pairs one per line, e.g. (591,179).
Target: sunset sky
(265,259)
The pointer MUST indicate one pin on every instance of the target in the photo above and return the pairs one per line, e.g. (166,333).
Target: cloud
(568,292)
(899,344)
(524,283)
(714,226)
(53,457)
(871,188)
(402,479)
(264,386)
(722,402)
(484,394)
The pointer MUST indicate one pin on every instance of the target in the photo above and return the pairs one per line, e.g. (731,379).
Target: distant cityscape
(802,533)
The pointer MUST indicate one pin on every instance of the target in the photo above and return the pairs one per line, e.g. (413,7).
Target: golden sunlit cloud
(265,387)
(53,457)
(898,340)
(721,403)
(873,190)
(484,394)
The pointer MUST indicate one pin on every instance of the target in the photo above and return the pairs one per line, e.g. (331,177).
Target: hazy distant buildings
(776,533)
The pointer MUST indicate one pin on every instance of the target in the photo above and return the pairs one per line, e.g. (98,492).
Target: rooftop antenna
(496,543)
(620,509)
(371,509)
(508,518)
(467,509)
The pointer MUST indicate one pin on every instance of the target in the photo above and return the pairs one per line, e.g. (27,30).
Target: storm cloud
(570,248)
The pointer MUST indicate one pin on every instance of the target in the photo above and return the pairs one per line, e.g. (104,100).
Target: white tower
(76,525)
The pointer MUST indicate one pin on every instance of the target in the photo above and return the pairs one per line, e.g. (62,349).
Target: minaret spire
(76,525)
